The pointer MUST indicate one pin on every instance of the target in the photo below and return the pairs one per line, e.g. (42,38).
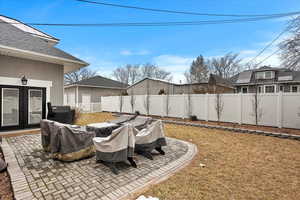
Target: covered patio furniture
(122,119)
(3,165)
(103,129)
(70,144)
(46,126)
(62,114)
(150,138)
(118,147)
(140,122)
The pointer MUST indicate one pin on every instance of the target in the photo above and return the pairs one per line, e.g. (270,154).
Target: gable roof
(99,81)
(17,41)
(282,75)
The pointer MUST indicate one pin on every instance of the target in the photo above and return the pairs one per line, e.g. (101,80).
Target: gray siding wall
(17,67)
(154,88)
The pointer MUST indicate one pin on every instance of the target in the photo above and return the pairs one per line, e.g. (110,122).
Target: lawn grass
(237,166)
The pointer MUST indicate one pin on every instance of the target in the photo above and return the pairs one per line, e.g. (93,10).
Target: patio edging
(237,130)
(19,183)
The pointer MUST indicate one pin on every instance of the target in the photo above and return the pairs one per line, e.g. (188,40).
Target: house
(215,84)
(31,73)
(85,92)
(267,80)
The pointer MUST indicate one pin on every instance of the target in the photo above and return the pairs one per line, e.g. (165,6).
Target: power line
(126,24)
(186,12)
(269,44)
(269,56)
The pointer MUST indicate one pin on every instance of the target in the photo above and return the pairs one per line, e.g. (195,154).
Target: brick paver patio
(86,179)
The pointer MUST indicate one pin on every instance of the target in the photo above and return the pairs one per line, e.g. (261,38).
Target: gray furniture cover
(122,119)
(140,122)
(151,137)
(117,147)
(3,165)
(46,133)
(66,143)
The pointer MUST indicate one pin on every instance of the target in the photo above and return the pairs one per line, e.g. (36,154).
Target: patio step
(19,132)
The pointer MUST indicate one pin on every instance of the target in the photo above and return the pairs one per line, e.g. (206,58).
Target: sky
(171,48)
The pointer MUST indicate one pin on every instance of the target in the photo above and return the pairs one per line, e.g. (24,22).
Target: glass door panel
(10,107)
(35,106)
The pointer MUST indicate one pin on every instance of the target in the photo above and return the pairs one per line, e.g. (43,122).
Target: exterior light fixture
(24,80)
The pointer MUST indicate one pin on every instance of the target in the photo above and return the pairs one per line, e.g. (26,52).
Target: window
(260,89)
(260,75)
(281,88)
(294,88)
(244,90)
(269,88)
(269,75)
(265,75)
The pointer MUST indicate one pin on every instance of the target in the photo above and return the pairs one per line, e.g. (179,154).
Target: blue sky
(172,48)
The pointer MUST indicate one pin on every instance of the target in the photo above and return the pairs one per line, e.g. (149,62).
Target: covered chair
(70,144)
(46,126)
(140,122)
(122,119)
(118,147)
(150,138)
(62,114)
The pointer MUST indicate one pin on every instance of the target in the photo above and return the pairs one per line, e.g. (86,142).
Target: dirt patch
(6,192)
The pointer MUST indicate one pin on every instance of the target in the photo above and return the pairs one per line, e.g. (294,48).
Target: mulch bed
(6,192)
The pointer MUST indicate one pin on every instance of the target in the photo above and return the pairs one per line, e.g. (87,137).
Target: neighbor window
(260,75)
(260,89)
(264,75)
(269,88)
(281,88)
(294,88)
(244,90)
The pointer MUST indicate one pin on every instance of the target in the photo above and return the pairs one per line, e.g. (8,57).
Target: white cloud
(134,53)
(177,65)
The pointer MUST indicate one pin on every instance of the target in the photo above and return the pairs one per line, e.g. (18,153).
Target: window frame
(245,87)
(274,86)
(291,88)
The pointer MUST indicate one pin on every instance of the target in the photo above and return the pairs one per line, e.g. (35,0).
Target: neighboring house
(215,84)
(267,80)
(88,91)
(31,73)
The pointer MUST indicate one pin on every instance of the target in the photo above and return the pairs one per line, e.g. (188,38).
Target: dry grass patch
(238,166)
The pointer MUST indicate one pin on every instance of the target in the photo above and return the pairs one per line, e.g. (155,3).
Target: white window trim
(264,77)
(275,88)
(245,87)
(262,89)
(4,125)
(29,105)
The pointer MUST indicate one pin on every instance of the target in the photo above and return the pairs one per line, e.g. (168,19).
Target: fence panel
(157,105)
(280,109)
(291,111)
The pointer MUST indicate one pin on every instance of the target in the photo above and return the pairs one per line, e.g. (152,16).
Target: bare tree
(225,66)
(147,97)
(198,71)
(73,77)
(219,105)
(291,46)
(256,107)
(149,70)
(121,74)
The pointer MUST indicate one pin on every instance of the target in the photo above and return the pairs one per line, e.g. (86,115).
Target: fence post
(240,108)
(279,110)
(206,106)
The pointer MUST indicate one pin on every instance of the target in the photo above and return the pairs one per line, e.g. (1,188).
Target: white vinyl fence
(87,108)
(278,109)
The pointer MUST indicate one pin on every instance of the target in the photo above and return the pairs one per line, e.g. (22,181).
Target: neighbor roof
(13,38)
(99,81)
